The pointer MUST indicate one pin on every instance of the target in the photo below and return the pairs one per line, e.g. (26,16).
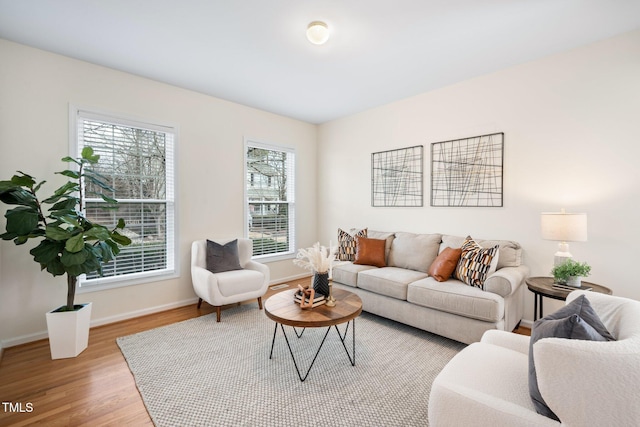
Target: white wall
(571,125)
(36,88)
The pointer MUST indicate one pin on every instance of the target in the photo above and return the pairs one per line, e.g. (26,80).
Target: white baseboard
(289,279)
(143,312)
(24,339)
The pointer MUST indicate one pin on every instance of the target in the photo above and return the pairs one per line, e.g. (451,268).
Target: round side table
(543,287)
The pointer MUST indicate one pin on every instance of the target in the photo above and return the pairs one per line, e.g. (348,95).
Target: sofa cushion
(370,252)
(442,268)
(576,320)
(476,263)
(414,251)
(510,253)
(455,297)
(389,281)
(347,273)
(347,244)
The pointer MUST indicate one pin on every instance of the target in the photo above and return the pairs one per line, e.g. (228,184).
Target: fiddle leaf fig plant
(69,243)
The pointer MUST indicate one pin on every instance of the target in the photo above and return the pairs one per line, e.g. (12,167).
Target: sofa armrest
(515,342)
(506,281)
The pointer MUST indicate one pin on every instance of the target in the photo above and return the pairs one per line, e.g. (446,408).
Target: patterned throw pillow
(347,244)
(475,263)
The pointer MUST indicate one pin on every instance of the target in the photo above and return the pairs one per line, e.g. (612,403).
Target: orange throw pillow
(370,252)
(443,266)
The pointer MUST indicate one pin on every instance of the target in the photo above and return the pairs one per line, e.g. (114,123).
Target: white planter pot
(68,331)
(575,281)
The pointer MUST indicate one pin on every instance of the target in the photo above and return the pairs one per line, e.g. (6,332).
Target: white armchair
(585,383)
(228,287)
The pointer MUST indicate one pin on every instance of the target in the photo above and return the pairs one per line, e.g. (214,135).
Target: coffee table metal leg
(344,337)
(273,340)
(294,358)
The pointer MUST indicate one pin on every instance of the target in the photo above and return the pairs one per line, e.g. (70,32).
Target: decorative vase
(321,283)
(68,331)
(575,281)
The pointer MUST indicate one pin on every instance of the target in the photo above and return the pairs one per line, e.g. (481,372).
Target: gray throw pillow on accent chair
(221,258)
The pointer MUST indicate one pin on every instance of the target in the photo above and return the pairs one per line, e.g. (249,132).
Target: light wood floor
(94,389)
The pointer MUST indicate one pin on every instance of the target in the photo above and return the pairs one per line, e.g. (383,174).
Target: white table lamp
(563,227)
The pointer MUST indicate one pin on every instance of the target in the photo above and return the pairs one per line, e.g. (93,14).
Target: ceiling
(254,52)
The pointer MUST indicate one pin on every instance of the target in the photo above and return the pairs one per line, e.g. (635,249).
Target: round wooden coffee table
(282,309)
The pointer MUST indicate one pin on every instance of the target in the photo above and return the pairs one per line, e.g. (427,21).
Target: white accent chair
(585,383)
(228,287)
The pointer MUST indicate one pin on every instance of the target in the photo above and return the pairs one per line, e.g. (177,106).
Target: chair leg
(260,303)
(218,309)
(199,302)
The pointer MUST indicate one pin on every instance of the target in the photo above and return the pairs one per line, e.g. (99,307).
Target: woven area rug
(202,373)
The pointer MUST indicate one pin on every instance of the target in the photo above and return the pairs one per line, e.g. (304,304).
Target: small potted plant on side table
(571,272)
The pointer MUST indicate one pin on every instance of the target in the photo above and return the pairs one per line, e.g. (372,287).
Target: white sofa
(585,383)
(404,292)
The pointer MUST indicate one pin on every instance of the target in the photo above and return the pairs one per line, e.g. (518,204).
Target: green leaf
(55,267)
(22,220)
(8,236)
(115,249)
(70,174)
(108,199)
(120,239)
(57,233)
(98,232)
(100,183)
(24,180)
(18,196)
(69,259)
(67,204)
(87,154)
(47,251)
(75,244)
(38,186)
(121,224)
(7,185)
(70,159)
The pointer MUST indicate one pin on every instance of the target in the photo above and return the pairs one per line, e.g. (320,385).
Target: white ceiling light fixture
(318,32)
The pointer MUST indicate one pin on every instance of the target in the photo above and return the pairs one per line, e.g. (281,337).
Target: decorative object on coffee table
(307,297)
(318,259)
(331,301)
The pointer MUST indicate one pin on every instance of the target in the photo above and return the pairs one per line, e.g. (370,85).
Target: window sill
(274,258)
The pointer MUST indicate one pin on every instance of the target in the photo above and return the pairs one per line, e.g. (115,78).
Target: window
(270,198)
(137,161)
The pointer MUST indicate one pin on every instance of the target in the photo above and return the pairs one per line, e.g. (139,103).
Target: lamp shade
(564,227)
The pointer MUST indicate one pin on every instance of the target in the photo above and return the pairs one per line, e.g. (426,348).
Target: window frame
(291,194)
(76,114)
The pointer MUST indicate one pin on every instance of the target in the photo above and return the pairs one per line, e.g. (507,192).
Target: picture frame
(468,172)
(397,177)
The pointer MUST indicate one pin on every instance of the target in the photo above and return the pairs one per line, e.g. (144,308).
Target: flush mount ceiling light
(318,32)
